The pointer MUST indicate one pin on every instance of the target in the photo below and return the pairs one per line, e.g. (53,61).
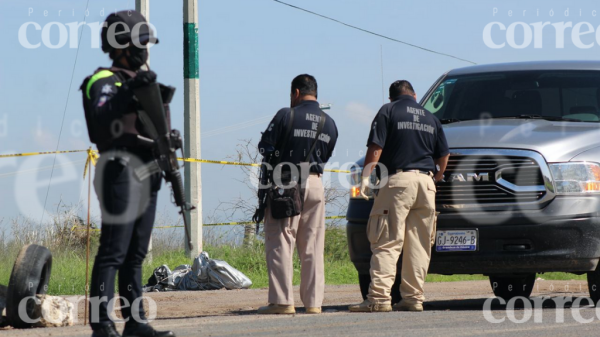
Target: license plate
(456,240)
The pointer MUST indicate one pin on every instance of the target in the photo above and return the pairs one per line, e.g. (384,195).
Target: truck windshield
(549,94)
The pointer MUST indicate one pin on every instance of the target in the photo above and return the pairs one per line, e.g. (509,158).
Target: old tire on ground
(593,279)
(30,276)
(365,280)
(508,287)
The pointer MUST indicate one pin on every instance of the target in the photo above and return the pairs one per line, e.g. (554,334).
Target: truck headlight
(577,177)
(355,180)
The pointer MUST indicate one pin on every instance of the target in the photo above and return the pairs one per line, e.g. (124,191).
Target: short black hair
(306,84)
(399,88)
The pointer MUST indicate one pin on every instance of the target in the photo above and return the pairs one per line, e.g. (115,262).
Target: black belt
(128,141)
(145,155)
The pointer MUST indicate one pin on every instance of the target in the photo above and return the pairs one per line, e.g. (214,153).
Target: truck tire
(593,279)
(30,276)
(364,281)
(512,286)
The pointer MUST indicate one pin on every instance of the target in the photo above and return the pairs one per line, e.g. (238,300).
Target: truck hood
(556,141)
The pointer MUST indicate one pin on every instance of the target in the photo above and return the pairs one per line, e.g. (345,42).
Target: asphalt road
(452,309)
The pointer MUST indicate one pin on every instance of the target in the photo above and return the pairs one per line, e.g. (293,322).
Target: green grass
(563,276)
(545,276)
(68,269)
(68,265)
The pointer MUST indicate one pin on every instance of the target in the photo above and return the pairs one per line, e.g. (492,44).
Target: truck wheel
(509,287)
(30,276)
(593,279)
(365,280)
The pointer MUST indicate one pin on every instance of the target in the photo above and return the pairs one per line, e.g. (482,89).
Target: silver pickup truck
(521,194)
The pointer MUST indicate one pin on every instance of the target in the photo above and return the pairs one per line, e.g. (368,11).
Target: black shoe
(106,330)
(144,330)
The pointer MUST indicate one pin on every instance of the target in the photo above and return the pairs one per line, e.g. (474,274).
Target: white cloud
(359,112)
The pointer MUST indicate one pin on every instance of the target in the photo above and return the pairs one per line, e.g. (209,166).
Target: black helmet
(127,27)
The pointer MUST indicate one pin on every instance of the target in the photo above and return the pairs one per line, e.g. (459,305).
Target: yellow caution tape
(216,224)
(26,154)
(194,160)
(337,171)
(245,222)
(91,158)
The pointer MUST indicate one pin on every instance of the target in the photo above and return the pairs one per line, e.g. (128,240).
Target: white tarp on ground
(204,274)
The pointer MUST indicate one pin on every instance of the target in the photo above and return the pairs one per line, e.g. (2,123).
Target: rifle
(166,142)
(263,179)
(266,176)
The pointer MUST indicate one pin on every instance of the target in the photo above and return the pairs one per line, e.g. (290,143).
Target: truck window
(569,94)
(580,101)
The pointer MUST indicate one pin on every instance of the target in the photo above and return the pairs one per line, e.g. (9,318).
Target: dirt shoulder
(243,303)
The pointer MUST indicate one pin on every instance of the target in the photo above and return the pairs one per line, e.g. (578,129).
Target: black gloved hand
(258,217)
(142,79)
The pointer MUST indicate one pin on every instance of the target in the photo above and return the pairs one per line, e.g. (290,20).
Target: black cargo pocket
(377,226)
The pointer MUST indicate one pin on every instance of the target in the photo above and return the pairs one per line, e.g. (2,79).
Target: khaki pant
(402,217)
(307,230)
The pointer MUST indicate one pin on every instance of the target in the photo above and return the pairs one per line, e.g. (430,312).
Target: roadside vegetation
(238,245)
(67,241)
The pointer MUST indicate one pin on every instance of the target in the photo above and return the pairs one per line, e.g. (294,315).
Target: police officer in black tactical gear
(126,181)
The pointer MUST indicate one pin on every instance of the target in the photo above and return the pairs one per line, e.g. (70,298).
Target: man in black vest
(125,182)
(409,143)
(307,229)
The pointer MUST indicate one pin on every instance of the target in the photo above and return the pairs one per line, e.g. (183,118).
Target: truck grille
(487,179)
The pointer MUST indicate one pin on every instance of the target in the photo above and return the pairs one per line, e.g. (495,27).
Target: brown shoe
(367,306)
(403,306)
(277,309)
(313,310)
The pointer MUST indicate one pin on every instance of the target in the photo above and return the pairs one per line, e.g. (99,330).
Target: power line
(2,175)
(373,33)
(62,123)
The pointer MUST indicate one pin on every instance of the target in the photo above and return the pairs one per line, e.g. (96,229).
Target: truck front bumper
(563,236)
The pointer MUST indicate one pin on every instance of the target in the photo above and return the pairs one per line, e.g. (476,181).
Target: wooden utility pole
(191,91)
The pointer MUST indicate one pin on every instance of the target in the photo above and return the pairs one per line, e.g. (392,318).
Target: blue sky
(249,52)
